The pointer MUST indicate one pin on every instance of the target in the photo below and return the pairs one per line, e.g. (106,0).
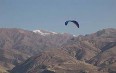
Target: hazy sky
(92,15)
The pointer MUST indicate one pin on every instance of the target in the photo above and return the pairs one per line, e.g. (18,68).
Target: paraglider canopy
(75,22)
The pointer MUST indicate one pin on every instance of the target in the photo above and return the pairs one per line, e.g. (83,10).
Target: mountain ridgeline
(16,45)
(40,51)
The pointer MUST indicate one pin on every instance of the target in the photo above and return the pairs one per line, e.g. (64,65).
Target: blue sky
(92,15)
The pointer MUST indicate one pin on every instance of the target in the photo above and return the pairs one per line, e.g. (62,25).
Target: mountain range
(40,51)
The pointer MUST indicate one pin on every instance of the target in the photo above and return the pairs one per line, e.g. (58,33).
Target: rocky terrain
(3,70)
(54,61)
(17,45)
(98,49)
(49,52)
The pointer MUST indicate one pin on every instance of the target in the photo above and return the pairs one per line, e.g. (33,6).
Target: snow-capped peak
(44,33)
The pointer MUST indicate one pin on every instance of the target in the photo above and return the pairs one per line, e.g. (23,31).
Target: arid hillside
(17,45)
(54,61)
(40,51)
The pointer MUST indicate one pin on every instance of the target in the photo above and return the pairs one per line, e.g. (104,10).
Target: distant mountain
(98,49)
(16,45)
(46,51)
(92,53)
(54,61)
(88,46)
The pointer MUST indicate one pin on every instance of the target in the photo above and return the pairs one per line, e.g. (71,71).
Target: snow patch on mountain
(44,33)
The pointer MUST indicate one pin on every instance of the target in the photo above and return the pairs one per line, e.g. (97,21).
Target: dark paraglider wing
(75,22)
(66,22)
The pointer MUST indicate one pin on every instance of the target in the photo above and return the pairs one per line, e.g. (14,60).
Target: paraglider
(75,22)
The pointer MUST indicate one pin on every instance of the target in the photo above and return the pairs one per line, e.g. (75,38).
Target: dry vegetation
(59,53)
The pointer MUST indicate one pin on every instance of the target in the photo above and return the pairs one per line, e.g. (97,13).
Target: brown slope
(82,49)
(105,59)
(98,48)
(16,45)
(3,70)
(105,40)
(54,61)
(88,46)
